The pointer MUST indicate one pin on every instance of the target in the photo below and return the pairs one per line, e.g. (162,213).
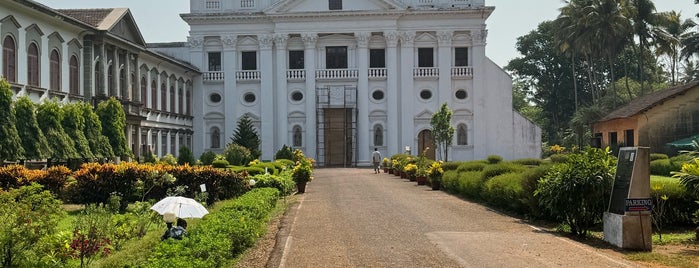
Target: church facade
(338,78)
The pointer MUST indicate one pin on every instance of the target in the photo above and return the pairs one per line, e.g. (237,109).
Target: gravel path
(355,218)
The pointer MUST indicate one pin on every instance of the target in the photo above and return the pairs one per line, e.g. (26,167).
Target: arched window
(189,102)
(378,136)
(110,81)
(55,71)
(163,97)
(74,76)
(461,135)
(215,138)
(172,99)
(153,95)
(9,59)
(144,91)
(298,137)
(98,79)
(180,102)
(33,65)
(122,85)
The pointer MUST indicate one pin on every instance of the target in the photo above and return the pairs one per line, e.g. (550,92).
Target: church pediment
(126,28)
(302,6)
(424,115)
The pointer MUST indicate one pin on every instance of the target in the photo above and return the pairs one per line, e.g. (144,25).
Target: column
(168,142)
(104,70)
(267,97)
(158,95)
(175,108)
(363,128)
(481,124)
(444,91)
(281,92)
(149,97)
(392,71)
(196,53)
(65,68)
(310,142)
(44,63)
(128,65)
(230,95)
(176,153)
(407,93)
(137,95)
(116,68)
(139,142)
(168,84)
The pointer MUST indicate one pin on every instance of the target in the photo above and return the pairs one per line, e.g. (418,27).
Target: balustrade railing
(247,75)
(247,3)
(296,74)
(213,4)
(462,72)
(426,72)
(377,73)
(337,74)
(213,76)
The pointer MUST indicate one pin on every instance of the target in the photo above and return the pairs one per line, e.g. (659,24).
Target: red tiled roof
(646,102)
(90,16)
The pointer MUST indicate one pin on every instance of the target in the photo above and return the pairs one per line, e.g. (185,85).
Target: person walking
(376,160)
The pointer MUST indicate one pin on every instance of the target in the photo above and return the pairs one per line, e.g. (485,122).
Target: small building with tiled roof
(652,120)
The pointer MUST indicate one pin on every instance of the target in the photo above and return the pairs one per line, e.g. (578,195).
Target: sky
(159,20)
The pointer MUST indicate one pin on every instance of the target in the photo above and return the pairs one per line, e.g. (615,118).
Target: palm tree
(643,17)
(669,42)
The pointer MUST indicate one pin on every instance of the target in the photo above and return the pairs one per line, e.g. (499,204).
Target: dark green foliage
(471,166)
(283,183)
(185,156)
(680,159)
(33,140)
(470,184)
(237,155)
(207,158)
(284,153)
(73,124)
(111,114)
(499,169)
(222,235)
(658,156)
(577,192)
(446,166)
(505,191)
(530,182)
(271,168)
(494,159)
(442,130)
(680,204)
(528,161)
(250,171)
(285,163)
(663,167)
(49,117)
(99,144)
(559,158)
(246,136)
(10,142)
(149,157)
(450,180)
(220,163)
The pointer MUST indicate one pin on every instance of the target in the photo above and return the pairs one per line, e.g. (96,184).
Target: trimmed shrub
(505,191)
(680,204)
(284,153)
(168,159)
(185,156)
(471,166)
(220,163)
(681,159)
(530,182)
(237,155)
(494,159)
(54,179)
(207,158)
(450,181)
(470,184)
(286,163)
(447,166)
(271,168)
(658,156)
(499,169)
(662,167)
(559,158)
(283,183)
(528,161)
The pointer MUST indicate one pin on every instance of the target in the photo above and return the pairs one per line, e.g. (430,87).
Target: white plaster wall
(346,5)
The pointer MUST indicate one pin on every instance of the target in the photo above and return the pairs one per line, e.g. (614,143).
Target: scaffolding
(336,121)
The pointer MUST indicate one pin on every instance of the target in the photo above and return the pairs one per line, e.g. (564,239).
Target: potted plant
(421,174)
(435,175)
(410,171)
(386,164)
(302,174)
(396,166)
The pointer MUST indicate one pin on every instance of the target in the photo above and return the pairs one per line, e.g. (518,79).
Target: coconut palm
(643,18)
(669,42)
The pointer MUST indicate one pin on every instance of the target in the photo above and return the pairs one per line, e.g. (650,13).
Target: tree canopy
(33,140)
(442,130)
(113,119)
(49,117)
(99,144)
(10,143)
(246,136)
(73,124)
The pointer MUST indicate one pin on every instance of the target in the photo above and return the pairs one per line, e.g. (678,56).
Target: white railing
(377,73)
(296,74)
(213,4)
(247,75)
(213,76)
(426,72)
(462,72)
(247,3)
(337,74)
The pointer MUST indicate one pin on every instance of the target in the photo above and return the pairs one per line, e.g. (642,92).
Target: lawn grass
(674,260)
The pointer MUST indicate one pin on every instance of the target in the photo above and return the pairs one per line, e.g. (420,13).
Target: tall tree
(442,130)
(669,42)
(73,124)
(643,17)
(10,143)
(113,119)
(246,136)
(49,117)
(33,140)
(99,144)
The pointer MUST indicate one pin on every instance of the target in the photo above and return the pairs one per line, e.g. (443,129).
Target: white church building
(337,79)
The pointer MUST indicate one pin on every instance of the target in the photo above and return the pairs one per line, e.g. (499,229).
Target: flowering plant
(411,169)
(435,171)
(385,162)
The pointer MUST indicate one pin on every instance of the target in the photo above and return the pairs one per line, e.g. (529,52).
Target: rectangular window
(336,57)
(296,60)
(628,139)
(461,56)
(425,57)
(612,138)
(154,143)
(377,58)
(249,60)
(214,61)
(335,4)
(163,145)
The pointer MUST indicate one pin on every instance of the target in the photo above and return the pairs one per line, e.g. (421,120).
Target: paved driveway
(355,218)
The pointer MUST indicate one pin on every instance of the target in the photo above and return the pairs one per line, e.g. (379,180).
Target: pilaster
(281,91)
(196,53)
(363,131)
(44,63)
(21,56)
(392,81)
(309,40)
(445,55)
(65,68)
(406,94)
(481,123)
(230,94)
(267,96)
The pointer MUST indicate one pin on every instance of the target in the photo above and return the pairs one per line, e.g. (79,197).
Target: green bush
(168,159)
(207,158)
(471,166)
(447,166)
(530,181)
(680,204)
(528,161)
(221,163)
(450,181)
(284,153)
(663,167)
(283,183)
(271,167)
(470,184)
(230,228)
(287,163)
(505,191)
(494,159)
(681,159)
(559,158)
(499,169)
(237,155)
(185,156)
(658,156)
(577,192)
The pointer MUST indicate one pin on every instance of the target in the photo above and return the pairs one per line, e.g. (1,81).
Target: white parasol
(182,207)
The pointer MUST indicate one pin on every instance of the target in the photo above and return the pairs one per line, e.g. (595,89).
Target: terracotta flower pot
(421,180)
(301,187)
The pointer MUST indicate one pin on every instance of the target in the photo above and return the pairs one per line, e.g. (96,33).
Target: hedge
(680,204)
(471,166)
(505,191)
(663,167)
